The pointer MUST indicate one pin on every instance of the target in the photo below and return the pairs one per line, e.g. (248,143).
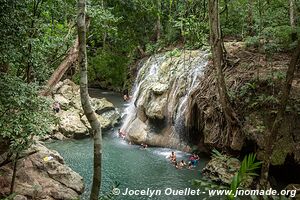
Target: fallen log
(70,58)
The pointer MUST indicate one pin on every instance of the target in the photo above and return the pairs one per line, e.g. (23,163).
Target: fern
(248,167)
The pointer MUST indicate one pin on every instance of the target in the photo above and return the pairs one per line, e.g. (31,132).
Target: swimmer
(144,146)
(182,163)
(172,157)
(176,165)
(122,134)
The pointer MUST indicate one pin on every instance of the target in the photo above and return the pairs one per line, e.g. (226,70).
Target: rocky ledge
(41,174)
(222,169)
(72,123)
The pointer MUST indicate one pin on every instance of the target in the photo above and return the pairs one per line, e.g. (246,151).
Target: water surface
(131,166)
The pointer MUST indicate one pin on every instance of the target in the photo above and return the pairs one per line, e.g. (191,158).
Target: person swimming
(144,146)
(177,166)
(126,96)
(172,157)
(190,166)
(194,159)
(122,134)
(182,163)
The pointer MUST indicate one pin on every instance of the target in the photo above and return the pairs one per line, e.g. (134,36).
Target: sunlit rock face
(42,174)
(71,121)
(156,114)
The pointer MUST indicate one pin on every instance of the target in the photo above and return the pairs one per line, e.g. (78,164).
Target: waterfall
(160,95)
(151,66)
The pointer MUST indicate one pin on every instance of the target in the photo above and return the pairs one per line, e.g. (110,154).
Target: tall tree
(292,13)
(250,17)
(158,20)
(274,133)
(85,101)
(292,19)
(219,63)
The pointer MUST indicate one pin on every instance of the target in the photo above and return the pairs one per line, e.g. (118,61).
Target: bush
(252,41)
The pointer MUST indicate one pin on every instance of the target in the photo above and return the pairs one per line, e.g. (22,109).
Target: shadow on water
(133,167)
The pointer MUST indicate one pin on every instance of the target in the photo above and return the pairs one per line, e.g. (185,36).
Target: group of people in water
(193,161)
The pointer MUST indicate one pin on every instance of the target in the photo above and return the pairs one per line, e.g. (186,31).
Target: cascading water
(131,110)
(161,92)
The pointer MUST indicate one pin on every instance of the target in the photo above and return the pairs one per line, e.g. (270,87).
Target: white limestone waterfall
(162,88)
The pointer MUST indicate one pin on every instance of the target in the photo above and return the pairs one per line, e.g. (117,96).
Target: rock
(155,109)
(105,123)
(43,175)
(159,88)
(160,100)
(141,114)
(64,103)
(58,136)
(101,105)
(137,131)
(65,176)
(71,125)
(76,102)
(112,116)
(221,170)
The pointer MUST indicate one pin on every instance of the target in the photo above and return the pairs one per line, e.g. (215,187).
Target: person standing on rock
(56,107)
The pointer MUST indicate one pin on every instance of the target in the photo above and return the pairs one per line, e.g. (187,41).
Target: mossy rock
(283,147)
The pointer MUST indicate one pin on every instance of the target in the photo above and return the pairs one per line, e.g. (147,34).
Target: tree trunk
(292,13)
(274,133)
(158,21)
(62,68)
(292,20)
(86,105)
(218,60)
(12,184)
(250,18)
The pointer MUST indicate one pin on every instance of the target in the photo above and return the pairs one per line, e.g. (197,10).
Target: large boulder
(101,105)
(42,174)
(137,131)
(221,170)
(161,96)
(71,121)
(105,123)
(64,102)
(70,124)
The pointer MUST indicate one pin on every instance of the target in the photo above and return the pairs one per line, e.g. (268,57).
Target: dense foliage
(23,114)
(38,33)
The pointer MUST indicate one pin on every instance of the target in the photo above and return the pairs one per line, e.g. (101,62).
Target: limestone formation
(221,171)
(71,121)
(157,110)
(42,174)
